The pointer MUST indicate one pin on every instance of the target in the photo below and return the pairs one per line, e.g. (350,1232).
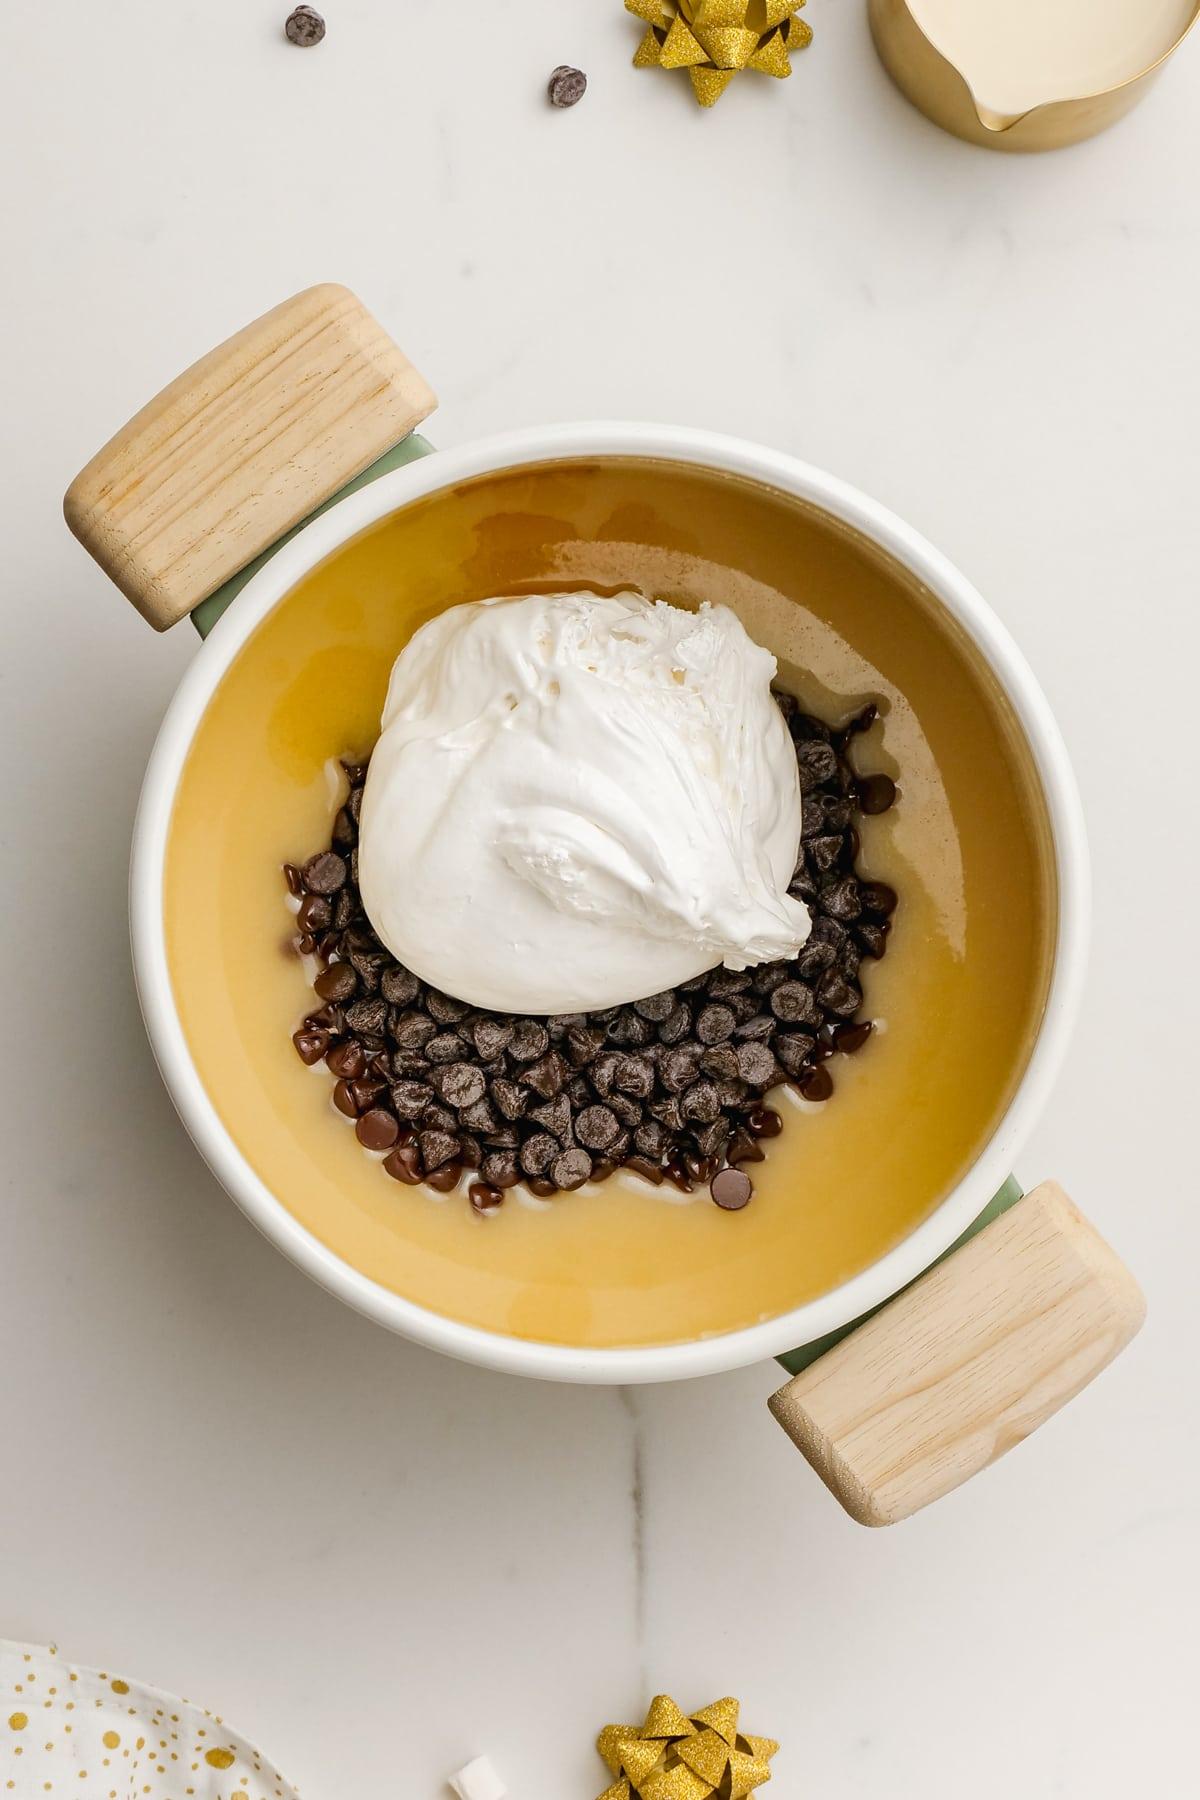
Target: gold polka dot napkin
(66,1730)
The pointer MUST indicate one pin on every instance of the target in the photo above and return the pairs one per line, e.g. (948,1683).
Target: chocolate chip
(597,1127)
(336,983)
(628,1111)
(315,914)
(756,1028)
(634,1075)
(676,1025)
(506,1137)
(571,1169)
(377,1129)
(445,1010)
(511,1097)
(679,1067)
(657,1007)
(566,86)
(793,1051)
(840,899)
(344,1100)
(310,1045)
(409,1064)
(630,1029)
(849,1038)
(702,1102)
(410,1098)
(583,1042)
(873,938)
(481,1116)
(538,1152)
(764,1122)
(437,1147)
(731,1189)
(500,1169)
(823,853)
(491,1036)
(721,1062)
(646,1167)
(713,1137)
(345,831)
(460,1084)
(650,1139)
(815,762)
(445,1178)
(398,987)
(756,1065)
(541,1185)
(547,1075)
(715,1024)
(876,793)
(723,983)
(793,1004)
(837,995)
(404,1164)
(294,879)
(817,1084)
(743,1148)
(368,1017)
(484,1199)
(446,1047)
(668,1112)
(347,1060)
(555,1117)
(529,1041)
(305,27)
(324,873)
(411,1030)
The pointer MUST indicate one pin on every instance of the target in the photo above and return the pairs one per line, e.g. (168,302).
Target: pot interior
(958,998)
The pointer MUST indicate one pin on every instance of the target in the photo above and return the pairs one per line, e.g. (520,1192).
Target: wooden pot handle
(964,1363)
(241,447)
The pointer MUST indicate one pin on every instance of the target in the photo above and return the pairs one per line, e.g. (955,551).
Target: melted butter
(958,997)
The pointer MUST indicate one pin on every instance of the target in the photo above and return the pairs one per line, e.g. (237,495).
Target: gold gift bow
(714,40)
(674,1755)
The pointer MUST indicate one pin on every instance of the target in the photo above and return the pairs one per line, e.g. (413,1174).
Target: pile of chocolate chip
(670,1087)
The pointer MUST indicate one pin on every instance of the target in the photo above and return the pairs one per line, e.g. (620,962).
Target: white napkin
(91,1735)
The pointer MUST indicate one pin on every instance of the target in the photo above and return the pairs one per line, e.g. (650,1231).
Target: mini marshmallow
(478,1781)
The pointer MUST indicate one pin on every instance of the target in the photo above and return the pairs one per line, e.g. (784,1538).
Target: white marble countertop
(216,1477)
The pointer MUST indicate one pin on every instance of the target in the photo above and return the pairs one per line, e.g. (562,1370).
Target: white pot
(667,444)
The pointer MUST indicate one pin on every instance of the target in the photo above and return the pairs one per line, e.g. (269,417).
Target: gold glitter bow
(715,39)
(684,1756)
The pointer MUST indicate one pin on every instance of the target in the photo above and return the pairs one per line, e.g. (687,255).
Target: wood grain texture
(965,1363)
(241,447)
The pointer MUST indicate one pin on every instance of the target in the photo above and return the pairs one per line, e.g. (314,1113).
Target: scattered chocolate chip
(554,1116)
(679,1067)
(484,1199)
(368,1017)
(646,1168)
(849,1038)
(566,86)
(676,1025)
(347,1060)
(541,1185)
(743,1148)
(816,762)
(444,1009)
(873,937)
(511,1097)
(294,880)
(315,914)
(877,898)
(656,1007)
(756,1065)
(343,1099)
(491,1036)
(715,1023)
(304,26)
(634,1075)
(836,995)
(538,1152)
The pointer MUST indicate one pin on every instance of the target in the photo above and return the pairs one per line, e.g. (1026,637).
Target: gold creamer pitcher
(928,76)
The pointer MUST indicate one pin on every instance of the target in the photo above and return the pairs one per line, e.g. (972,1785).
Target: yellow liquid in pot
(958,997)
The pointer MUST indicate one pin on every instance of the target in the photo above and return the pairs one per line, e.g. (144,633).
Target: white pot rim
(772,469)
